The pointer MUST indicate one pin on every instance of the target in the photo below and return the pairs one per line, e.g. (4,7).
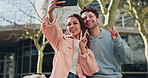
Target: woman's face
(73,26)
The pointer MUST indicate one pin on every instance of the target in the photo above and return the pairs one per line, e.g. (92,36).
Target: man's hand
(113,32)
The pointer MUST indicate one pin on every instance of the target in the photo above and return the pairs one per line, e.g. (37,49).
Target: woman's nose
(71,27)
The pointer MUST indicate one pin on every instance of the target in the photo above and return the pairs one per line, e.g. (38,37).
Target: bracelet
(52,21)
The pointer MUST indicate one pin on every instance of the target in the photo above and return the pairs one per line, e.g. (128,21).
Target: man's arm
(123,50)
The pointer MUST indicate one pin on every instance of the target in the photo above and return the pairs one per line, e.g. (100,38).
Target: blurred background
(21,39)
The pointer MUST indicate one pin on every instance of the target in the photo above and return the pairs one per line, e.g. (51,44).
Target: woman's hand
(83,43)
(52,6)
(113,32)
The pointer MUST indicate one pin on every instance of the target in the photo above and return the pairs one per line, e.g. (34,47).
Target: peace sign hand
(83,42)
(113,32)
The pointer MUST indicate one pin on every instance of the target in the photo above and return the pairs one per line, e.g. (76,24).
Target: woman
(72,57)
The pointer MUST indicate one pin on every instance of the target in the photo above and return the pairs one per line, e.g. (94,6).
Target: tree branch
(112,11)
(35,11)
(83,3)
(102,6)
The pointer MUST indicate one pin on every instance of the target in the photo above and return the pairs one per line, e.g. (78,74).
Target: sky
(9,10)
(5,7)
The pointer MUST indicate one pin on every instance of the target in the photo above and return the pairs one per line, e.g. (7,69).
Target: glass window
(34,50)
(1,56)
(1,76)
(26,64)
(19,64)
(19,76)
(1,67)
(26,50)
(27,42)
(47,62)
(25,58)
(34,59)
(7,76)
(20,44)
(48,48)
(20,51)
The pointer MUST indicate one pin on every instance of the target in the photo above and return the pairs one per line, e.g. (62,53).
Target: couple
(80,54)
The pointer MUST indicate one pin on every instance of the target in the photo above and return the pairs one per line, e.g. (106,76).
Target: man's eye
(90,16)
(84,18)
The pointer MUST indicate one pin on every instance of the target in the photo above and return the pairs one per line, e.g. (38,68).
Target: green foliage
(83,3)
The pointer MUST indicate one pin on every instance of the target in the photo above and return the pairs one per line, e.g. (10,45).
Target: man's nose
(88,18)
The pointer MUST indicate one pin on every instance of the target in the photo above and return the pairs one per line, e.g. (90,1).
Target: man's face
(90,20)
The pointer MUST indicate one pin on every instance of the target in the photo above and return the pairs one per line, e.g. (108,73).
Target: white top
(75,59)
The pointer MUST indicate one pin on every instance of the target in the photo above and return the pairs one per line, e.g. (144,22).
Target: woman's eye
(75,23)
(68,24)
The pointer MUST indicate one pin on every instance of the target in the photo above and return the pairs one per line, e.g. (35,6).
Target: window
(34,59)
(27,56)
(47,62)
(6,65)
(1,66)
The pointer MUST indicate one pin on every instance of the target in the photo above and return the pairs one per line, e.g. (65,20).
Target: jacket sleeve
(52,32)
(123,50)
(88,63)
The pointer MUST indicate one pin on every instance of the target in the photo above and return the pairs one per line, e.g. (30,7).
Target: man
(109,49)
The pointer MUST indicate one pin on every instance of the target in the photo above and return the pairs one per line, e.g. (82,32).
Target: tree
(140,13)
(30,31)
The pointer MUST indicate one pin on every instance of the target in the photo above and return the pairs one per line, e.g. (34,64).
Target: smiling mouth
(73,30)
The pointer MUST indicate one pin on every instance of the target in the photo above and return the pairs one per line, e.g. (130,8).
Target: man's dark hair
(90,9)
